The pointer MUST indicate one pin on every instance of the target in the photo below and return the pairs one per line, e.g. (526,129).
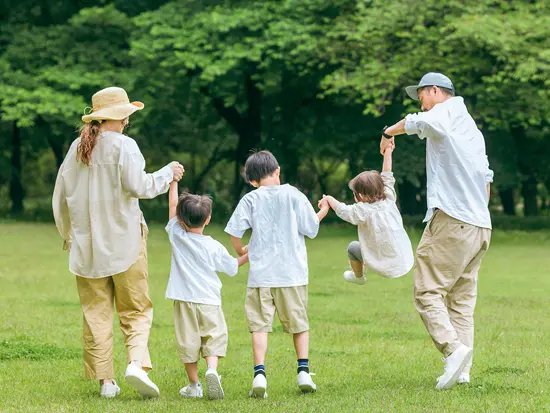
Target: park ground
(369,348)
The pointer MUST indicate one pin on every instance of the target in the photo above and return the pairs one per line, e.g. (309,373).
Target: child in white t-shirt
(280,216)
(195,288)
(384,246)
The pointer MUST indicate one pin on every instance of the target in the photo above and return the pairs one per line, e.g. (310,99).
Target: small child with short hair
(280,217)
(195,288)
(384,246)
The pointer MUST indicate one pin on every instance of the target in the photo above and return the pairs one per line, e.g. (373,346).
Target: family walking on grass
(96,210)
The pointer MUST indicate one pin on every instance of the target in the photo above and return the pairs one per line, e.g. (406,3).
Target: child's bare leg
(192,372)
(212,362)
(301,344)
(259,347)
(357,267)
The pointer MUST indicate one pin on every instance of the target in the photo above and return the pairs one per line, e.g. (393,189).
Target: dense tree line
(312,80)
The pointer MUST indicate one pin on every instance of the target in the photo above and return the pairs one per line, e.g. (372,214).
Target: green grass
(368,346)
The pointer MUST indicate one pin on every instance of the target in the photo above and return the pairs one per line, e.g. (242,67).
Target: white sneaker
(349,276)
(259,387)
(138,379)
(454,365)
(109,390)
(214,384)
(192,391)
(305,382)
(464,378)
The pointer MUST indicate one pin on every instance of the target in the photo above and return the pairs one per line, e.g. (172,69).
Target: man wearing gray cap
(458,229)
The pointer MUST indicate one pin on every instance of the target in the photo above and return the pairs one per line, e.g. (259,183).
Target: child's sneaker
(192,391)
(259,387)
(305,382)
(464,378)
(349,276)
(214,384)
(109,390)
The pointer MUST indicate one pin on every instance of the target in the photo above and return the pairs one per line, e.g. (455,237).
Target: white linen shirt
(195,260)
(280,216)
(456,162)
(385,245)
(96,207)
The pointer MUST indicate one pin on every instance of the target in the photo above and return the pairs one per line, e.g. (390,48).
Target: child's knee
(354,251)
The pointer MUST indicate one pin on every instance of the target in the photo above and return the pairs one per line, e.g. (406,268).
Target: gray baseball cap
(430,79)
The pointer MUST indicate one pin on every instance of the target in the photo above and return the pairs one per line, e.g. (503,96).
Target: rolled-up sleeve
(389,185)
(137,182)
(423,124)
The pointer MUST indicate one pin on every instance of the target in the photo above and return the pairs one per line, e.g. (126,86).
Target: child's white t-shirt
(385,245)
(280,216)
(195,260)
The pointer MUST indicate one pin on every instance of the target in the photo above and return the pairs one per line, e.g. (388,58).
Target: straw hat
(111,103)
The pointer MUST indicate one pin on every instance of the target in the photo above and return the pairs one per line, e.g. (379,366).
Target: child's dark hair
(259,165)
(193,210)
(368,187)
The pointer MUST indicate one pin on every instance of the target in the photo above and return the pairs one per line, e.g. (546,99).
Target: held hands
(177,170)
(384,143)
(389,148)
(243,251)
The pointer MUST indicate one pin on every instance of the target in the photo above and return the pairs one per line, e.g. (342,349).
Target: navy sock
(259,369)
(303,365)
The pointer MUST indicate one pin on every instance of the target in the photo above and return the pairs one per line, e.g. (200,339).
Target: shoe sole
(214,387)
(259,392)
(143,388)
(454,378)
(307,388)
(111,395)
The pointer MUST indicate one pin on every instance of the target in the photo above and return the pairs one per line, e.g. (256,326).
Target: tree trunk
(250,134)
(529,193)
(508,201)
(408,201)
(16,186)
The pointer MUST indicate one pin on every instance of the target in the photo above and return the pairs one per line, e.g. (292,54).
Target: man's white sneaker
(305,382)
(191,391)
(214,385)
(139,380)
(109,390)
(259,387)
(349,276)
(454,365)
(464,378)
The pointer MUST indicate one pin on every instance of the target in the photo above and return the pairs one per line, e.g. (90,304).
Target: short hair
(193,210)
(259,165)
(446,91)
(368,186)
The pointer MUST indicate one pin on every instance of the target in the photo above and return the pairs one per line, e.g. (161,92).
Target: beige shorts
(289,302)
(200,329)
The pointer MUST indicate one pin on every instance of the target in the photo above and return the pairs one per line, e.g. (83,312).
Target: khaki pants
(130,292)
(289,302)
(200,329)
(445,279)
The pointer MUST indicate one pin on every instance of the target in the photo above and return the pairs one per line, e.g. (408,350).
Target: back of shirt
(456,162)
(195,260)
(280,216)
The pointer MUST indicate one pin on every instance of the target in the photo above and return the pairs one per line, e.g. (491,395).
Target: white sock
(136,363)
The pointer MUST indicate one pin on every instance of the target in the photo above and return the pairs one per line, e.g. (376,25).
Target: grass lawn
(369,348)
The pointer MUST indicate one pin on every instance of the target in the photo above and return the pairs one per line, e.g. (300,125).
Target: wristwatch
(384,134)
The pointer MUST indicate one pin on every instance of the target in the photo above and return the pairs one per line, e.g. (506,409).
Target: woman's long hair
(88,139)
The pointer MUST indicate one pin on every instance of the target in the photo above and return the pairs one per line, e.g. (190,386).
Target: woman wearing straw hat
(96,210)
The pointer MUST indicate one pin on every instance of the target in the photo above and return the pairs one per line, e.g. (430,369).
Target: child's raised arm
(387,165)
(172,199)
